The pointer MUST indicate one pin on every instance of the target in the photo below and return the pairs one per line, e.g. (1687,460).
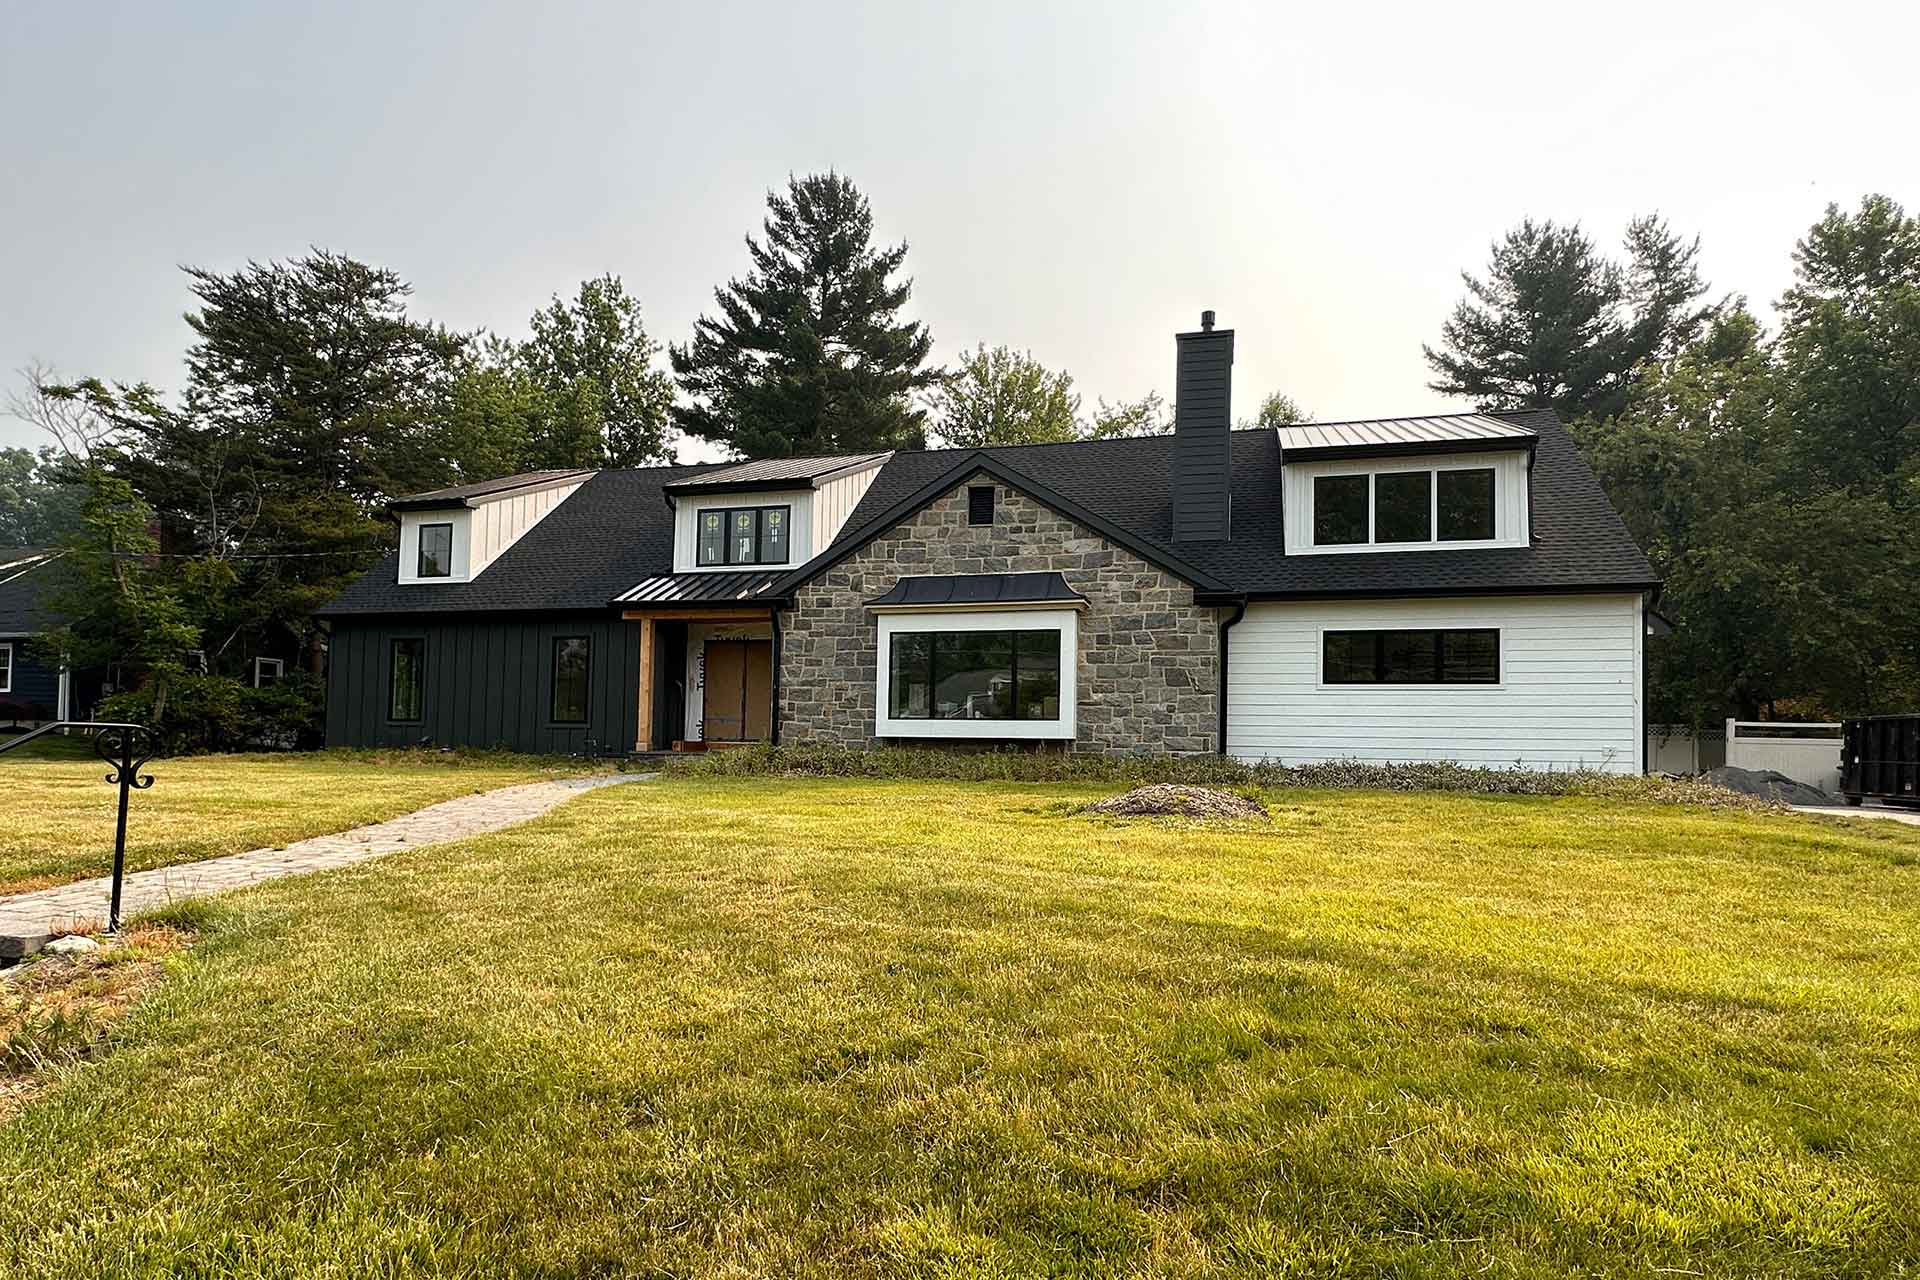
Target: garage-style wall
(487,683)
(1569,693)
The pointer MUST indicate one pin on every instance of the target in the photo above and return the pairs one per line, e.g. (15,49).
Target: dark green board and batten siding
(488,683)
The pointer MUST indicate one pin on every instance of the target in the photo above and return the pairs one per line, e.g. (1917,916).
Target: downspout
(1239,612)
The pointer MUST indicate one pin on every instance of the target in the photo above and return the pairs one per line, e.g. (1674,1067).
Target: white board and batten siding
(818,515)
(482,532)
(1569,694)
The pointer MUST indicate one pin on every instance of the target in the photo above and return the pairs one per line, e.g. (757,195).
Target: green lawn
(765,1028)
(60,812)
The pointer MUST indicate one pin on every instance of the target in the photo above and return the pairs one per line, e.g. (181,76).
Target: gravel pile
(1766,784)
(1175,800)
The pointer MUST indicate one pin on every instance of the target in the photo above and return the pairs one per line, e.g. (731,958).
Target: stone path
(1909,816)
(27,920)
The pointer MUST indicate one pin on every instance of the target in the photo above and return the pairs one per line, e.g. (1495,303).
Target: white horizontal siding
(1569,692)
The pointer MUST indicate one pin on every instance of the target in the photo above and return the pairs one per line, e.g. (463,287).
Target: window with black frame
(571,662)
(436,551)
(974,675)
(1339,510)
(1467,655)
(1466,504)
(406,678)
(743,535)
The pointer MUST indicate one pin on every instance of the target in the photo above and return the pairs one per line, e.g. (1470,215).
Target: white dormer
(776,513)
(452,535)
(1452,483)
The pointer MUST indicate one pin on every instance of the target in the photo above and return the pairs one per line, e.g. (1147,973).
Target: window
(406,677)
(6,668)
(1339,510)
(1466,505)
(1403,506)
(743,535)
(570,655)
(1468,656)
(980,504)
(1397,508)
(268,671)
(436,551)
(975,675)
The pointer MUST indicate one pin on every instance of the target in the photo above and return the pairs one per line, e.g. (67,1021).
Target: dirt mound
(1766,784)
(1174,800)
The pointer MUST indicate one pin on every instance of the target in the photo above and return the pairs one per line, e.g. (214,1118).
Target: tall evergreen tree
(809,353)
(1557,325)
(1003,396)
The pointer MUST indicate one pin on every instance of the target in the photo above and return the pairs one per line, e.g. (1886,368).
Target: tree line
(1773,477)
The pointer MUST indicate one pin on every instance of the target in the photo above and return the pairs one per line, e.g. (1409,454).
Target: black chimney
(1202,440)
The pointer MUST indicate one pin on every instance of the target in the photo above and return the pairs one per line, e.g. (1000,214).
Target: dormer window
(743,535)
(1405,507)
(436,551)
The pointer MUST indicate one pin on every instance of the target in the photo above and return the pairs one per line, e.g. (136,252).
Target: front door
(739,690)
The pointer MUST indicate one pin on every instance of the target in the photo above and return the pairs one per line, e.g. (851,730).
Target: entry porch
(708,678)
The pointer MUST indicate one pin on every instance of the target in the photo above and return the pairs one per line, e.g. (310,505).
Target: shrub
(1060,766)
(220,713)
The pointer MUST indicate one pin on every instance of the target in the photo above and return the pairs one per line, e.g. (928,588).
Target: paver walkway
(1909,816)
(27,920)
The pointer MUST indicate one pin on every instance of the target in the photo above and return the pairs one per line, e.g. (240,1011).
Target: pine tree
(809,354)
(594,359)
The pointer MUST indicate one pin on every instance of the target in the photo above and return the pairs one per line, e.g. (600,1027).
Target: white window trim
(279,666)
(1433,510)
(411,523)
(6,676)
(1065,621)
(1321,682)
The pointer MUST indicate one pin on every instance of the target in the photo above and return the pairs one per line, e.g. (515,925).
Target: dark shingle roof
(465,494)
(610,533)
(616,531)
(26,575)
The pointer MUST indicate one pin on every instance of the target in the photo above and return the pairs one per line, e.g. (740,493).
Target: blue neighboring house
(30,692)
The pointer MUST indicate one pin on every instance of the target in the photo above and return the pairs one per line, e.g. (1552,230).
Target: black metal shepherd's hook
(126,747)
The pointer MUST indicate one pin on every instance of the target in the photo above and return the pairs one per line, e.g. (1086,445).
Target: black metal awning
(982,590)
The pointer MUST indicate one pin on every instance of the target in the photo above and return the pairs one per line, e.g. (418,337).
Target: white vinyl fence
(1679,749)
(1808,753)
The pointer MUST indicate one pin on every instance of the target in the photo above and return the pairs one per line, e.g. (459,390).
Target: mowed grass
(775,1028)
(60,812)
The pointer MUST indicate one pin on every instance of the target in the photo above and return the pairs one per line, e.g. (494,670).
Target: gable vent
(980,504)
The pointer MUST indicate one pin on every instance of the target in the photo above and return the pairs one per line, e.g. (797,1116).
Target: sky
(1075,180)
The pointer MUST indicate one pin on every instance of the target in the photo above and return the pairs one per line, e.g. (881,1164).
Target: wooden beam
(643,738)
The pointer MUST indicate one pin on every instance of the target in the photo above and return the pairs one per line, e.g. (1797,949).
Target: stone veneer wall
(1148,667)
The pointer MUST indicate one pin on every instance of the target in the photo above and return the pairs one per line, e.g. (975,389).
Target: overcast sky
(1077,180)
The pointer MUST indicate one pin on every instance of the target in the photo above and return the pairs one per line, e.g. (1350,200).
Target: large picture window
(1464,656)
(406,679)
(974,675)
(571,657)
(743,535)
(436,551)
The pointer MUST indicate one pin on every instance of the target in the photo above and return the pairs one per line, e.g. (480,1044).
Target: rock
(1766,784)
(73,945)
(1169,799)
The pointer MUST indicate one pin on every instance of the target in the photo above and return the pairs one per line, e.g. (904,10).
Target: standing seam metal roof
(1375,432)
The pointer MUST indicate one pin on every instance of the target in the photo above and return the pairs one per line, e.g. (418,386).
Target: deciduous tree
(1002,396)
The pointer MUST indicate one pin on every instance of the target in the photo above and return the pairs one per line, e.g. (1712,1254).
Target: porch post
(643,736)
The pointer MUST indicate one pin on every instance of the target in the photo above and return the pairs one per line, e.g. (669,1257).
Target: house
(1449,587)
(31,692)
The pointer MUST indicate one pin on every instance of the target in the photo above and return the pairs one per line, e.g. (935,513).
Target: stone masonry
(1147,666)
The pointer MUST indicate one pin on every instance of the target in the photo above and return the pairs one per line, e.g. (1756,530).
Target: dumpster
(1880,759)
